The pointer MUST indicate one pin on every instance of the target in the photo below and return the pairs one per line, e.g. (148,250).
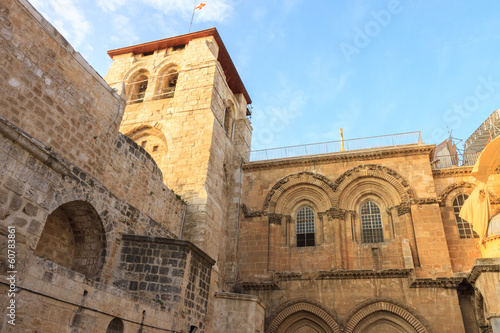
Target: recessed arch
(445,199)
(362,189)
(155,140)
(313,181)
(298,313)
(398,182)
(74,237)
(385,309)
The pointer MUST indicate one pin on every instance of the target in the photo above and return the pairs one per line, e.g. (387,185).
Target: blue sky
(311,67)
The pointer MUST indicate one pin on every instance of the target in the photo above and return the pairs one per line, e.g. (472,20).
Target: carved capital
(275,218)
(403,208)
(336,213)
(247,212)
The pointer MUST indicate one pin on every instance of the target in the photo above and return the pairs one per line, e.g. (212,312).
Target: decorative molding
(360,155)
(247,212)
(344,275)
(403,208)
(337,213)
(264,285)
(454,172)
(425,201)
(446,283)
(274,218)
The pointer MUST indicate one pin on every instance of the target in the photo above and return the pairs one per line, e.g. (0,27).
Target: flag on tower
(200,6)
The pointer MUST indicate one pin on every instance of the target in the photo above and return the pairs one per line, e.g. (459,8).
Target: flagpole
(192,16)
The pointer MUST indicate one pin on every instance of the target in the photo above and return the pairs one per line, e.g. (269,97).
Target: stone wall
(246,312)
(401,182)
(172,273)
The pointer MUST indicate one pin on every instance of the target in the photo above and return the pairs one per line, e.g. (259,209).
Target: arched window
(464,227)
(168,83)
(371,223)
(228,121)
(138,86)
(305,227)
(115,326)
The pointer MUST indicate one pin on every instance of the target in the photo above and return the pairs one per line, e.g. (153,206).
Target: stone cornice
(264,285)
(170,241)
(344,275)
(483,265)
(341,157)
(445,282)
(452,172)
(37,149)
(241,297)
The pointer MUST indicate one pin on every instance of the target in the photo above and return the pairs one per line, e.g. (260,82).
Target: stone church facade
(135,204)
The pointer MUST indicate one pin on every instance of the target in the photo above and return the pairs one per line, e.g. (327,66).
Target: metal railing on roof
(459,160)
(335,146)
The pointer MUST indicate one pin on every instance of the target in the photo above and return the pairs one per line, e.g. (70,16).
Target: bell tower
(187,107)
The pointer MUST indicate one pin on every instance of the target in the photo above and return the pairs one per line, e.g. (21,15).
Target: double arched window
(305,227)
(464,227)
(371,223)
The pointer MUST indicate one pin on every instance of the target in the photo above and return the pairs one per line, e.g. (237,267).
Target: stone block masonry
(173,273)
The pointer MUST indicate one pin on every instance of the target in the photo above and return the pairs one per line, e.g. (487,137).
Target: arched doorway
(303,317)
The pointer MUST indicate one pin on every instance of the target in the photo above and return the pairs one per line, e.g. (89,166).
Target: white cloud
(110,5)
(126,31)
(215,10)
(67,18)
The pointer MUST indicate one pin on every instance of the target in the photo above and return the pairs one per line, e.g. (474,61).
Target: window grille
(371,223)
(115,326)
(464,227)
(305,227)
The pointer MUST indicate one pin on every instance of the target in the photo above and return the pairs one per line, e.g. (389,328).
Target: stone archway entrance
(303,317)
(304,322)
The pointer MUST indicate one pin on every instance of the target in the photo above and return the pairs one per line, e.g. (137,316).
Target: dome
(494,226)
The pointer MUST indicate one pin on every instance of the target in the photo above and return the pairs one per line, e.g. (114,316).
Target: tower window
(305,227)
(464,227)
(143,144)
(371,223)
(179,47)
(155,148)
(138,89)
(168,83)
